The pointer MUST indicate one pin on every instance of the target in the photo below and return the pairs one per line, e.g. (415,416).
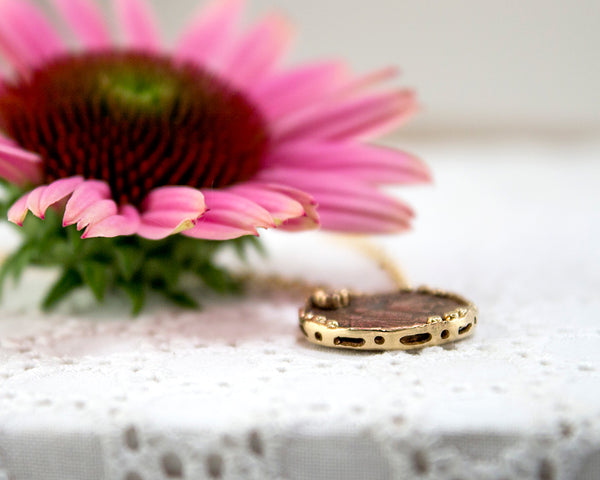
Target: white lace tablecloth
(235,392)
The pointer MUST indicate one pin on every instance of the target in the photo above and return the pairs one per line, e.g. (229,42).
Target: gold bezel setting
(320,321)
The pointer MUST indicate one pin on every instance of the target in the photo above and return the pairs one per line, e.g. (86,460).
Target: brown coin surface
(400,320)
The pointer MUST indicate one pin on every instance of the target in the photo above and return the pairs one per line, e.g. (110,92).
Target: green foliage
(69,281)
(132,265)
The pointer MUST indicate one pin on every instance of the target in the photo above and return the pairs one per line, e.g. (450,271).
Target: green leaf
(136,292)
(241,251)
(74,237)
(20,261)
(15,264)
(55,252)
(162,272)
(96,276)
(129,261)
(243,244)
(69,281)
(5,271)
(181,299)
(218,279)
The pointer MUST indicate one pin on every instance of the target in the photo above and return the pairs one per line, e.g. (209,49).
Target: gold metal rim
(449,327)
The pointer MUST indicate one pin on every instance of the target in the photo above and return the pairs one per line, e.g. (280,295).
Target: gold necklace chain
(265,284)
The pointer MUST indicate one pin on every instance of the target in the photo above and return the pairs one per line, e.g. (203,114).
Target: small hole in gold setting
(318,336)
(465,329)
(417,339)
(379,340)
(349,341)
(445,334)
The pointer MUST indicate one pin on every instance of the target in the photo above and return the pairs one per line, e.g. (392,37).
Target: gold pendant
(403,320)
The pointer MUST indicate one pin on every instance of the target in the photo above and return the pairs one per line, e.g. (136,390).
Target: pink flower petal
(7,141)
(26,37)
(90,203)
(310,220)
(355,222)
(159,225)
(18,211)
(234,210)
(325,183)
(184,199)
(138,24)
(209,34)
(57,191)
(229,216)
(125,222)
(16,153)
(97,212)
(280,206)
(348,198)
(371,79)
(14,51)
(170,210)
(169,221)
(349,119)
(393,213)
(335,89)
(301,224)
(207,230)
(19,166)
(41,198)
(84,196)
(293,90)
(259,51)
(85,19)
(11,173)
(352,160)
(381,125)
(33,201)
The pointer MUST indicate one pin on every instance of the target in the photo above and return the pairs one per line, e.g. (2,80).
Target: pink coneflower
(212,138)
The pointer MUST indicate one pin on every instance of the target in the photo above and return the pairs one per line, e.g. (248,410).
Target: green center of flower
(137,91)
(135,120)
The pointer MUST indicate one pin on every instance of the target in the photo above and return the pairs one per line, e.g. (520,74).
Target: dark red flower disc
(135,120)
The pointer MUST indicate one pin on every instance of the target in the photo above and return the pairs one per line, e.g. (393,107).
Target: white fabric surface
(234,391)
